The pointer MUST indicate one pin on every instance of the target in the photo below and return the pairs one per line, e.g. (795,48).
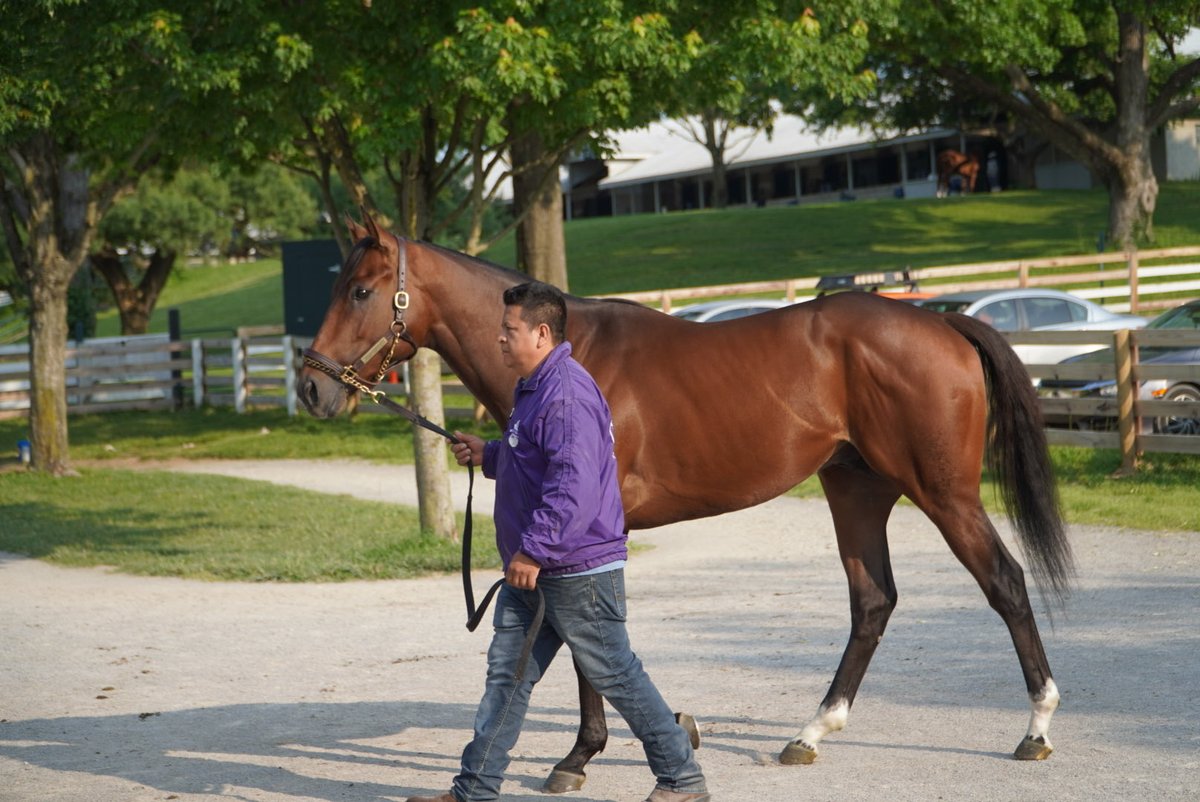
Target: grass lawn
(611,255)
(213,300)
(213,527)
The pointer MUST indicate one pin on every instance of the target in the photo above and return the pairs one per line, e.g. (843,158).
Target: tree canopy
(1094,78)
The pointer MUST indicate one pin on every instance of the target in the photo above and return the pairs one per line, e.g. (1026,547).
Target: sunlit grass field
(612,255)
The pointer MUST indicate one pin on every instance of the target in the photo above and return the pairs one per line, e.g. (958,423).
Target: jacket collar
(561,352)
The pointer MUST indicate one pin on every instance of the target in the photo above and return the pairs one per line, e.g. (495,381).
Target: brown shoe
(663,795)
(446,797)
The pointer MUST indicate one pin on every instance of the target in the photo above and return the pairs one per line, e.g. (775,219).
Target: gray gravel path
(129,688)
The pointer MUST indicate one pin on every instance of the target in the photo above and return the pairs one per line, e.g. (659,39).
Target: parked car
(714,311)
(1036,310)
(1187,318)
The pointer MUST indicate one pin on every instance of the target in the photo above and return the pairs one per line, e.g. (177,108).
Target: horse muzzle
(322,396)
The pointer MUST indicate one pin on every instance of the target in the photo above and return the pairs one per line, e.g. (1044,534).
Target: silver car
(1036,310)
(715,311)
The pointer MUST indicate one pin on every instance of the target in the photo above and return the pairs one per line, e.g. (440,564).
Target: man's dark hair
(540,303)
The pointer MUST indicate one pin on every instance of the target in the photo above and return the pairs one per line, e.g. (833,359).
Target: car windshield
(736,312)
(939,305)
(1183,317)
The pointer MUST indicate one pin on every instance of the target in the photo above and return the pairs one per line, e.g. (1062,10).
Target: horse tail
(1018,456)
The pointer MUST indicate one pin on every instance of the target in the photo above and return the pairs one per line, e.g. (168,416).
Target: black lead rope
(474,614)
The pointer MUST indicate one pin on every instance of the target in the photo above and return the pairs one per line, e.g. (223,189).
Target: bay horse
(951,163)
(878,397)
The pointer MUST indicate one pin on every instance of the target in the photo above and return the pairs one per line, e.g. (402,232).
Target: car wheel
(1171,424)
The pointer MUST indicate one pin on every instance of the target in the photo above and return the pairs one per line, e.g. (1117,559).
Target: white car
(714,311)
(1036,310)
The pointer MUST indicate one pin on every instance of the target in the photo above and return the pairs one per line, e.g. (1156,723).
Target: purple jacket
(557,498)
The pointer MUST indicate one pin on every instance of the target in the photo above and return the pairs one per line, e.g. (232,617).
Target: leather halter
(351,375)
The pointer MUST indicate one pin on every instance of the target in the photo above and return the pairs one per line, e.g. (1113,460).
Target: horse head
(369,326)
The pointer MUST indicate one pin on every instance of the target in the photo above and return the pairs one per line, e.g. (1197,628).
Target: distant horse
(951,163)
(880,398)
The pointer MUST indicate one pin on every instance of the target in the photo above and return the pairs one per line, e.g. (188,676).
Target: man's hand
(522,572)
(469,449)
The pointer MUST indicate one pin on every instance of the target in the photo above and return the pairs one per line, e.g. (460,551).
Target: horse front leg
(861,502)
(567,774)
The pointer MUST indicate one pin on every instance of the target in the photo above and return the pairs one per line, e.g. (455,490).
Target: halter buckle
(400,301)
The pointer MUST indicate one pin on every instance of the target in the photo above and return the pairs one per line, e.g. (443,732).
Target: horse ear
(356,231)
(372,227)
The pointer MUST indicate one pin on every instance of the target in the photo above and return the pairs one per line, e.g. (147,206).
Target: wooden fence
(244,372)
(1125,416)
(1120,282)
(259,369)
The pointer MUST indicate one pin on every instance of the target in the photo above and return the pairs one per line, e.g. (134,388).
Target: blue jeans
(587,613)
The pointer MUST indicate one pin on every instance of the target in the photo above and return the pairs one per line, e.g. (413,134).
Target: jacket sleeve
(570,499)
(491,451)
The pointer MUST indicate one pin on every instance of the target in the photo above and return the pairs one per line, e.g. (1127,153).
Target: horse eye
(361,293)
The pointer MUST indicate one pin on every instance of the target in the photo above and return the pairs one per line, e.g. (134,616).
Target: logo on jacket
(512,435)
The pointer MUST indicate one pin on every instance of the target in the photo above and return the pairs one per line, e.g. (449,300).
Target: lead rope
(474,614)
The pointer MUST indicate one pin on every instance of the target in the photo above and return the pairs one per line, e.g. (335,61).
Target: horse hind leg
(568,774)
(861,501)
(974,541)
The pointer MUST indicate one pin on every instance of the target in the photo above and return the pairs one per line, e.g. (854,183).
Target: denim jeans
(587,613)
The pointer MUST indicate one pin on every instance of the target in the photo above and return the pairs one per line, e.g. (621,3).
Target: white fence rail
(1131,280)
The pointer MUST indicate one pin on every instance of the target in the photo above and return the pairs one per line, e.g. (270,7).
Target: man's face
(522,347)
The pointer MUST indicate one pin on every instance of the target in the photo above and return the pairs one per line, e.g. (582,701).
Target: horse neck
(464,300)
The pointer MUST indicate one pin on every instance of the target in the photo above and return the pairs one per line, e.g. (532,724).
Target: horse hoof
(689,726)
(1033,749)
(561,782)
(797,753)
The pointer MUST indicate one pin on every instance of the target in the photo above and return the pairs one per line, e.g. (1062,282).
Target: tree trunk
(720,182)
(335,142)
(714,143)
(429,450)
(1132,187)
(47,362)
(425,369)
(135,303)
(541,248)
(51,199)
(1132,197)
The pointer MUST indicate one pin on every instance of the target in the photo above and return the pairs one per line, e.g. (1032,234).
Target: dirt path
(127,688)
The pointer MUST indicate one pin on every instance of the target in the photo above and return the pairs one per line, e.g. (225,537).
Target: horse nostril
(309,393)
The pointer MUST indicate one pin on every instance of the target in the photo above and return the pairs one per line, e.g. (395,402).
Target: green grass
(214,299)
(210,527)
(683,249)
(611,255)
